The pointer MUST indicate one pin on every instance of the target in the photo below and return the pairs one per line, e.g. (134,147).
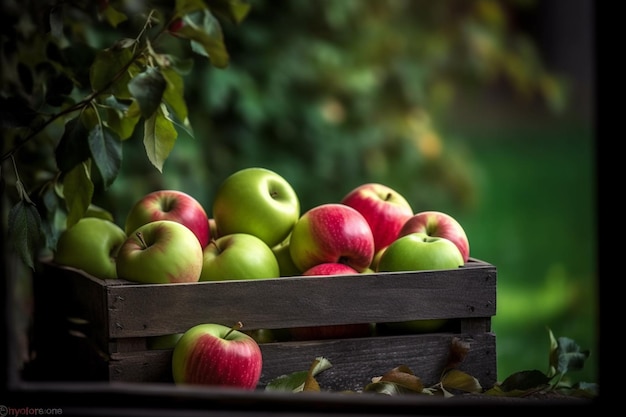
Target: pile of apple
(257,231)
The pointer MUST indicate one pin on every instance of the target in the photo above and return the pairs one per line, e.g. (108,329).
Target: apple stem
(389,195)
(237,326)
(140,237)
(214,243)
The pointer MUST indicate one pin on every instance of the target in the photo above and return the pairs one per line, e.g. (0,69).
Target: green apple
(238,256)
(419,251)
(256,201)
(215,355)
(92,245)
(285,263)
(158,252)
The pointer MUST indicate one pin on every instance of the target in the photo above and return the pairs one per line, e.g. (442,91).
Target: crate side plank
(150,310)
(74,299)
(354,361)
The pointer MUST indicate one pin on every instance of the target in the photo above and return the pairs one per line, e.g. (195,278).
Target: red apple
(438,224)
(385,210)
(339,331)
(330,268)
(332,233)
(216,355)
(170,205)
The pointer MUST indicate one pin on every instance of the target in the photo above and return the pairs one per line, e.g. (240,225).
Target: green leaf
(234,11)
(109,71)
(570,357)
(106,153)
(205,33)
(174,94)
(113,16)
(159,138)
(147,88)
(184,7)
(121,122)
(99,212)
(25,230)
(78,192)
(72,149)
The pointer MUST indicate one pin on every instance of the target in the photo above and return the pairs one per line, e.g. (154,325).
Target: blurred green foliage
(331,94)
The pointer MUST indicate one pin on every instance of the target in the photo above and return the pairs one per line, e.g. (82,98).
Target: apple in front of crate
(339,331)
(159,252)
(170,205)
(419,251)
(92,245)
(211,354)
(238,256)
(256,201)
(385,210)
(332,232)
(439,224)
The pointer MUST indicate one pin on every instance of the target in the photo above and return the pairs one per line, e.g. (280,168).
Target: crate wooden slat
(115,318)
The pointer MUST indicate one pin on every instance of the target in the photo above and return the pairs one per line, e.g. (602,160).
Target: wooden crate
(91,329)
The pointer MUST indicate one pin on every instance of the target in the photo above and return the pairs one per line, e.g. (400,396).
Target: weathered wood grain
(114,318)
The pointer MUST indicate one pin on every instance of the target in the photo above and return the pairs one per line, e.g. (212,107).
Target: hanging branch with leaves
(128,84)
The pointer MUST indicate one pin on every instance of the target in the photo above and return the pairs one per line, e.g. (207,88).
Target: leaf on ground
(399,380)
(525,380)
(296,381)
(453,379)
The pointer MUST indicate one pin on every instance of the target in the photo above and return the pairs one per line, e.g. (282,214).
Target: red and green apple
(215,355)
(170,205)
(439,224)
(162,251)
(332,232)
(385,210)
